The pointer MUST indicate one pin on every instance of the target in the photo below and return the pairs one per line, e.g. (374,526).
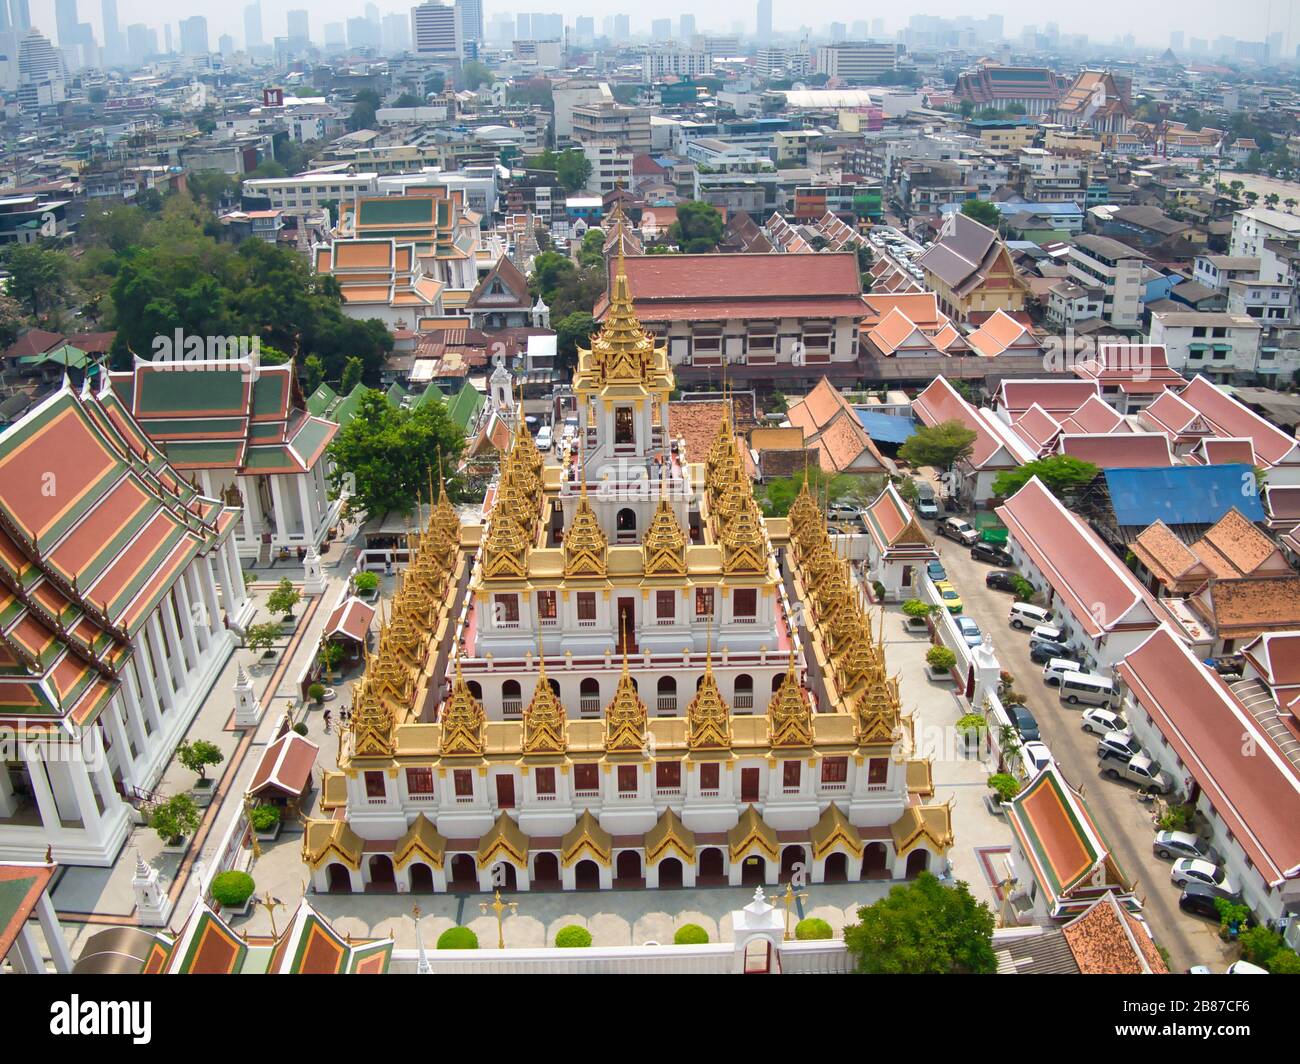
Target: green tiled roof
(395,210)
(467,402)
(196,390)
(321,399)
(268,394)
(203,452)
(311,437)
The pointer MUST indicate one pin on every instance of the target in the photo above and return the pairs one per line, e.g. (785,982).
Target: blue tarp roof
(1183,495)
(885,428)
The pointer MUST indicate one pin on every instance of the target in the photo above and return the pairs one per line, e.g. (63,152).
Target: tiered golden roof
(665,543)
(708,718)
(463,719)
(585,545)
(516,510)
(623,356)
(625,717)
(788,713)
(544,719)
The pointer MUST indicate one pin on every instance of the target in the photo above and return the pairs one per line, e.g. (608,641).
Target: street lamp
(249,803)
(788,900)
(499,907)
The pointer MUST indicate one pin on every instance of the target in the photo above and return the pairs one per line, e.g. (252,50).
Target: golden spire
(625,716)
(462,719)
(665,543)
(585,545)
(788,714)
(708,720)
(544,720)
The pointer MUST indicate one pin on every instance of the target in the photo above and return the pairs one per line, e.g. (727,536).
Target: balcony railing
(512,707)
(666,704)
(877,788)
(708,792)
(665,622)
(377,801)
(545,797)
(834,788)
(595,793)
(422,798)
(589,704)
(669,792)
(796,789)
(743,700)
(464,799)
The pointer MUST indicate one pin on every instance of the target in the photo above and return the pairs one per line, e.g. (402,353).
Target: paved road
(1124,820)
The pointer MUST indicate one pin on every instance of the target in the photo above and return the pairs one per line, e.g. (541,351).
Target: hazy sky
(1102,20)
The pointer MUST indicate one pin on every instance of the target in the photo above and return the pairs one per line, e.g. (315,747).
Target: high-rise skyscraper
(395,34)
(435,30)
(523,27)
(194,35)
(764,23)
(253,26)
(112,35)
(299,26)
(141,42)
(584,30)
(622,29)
(20,15)
(470,14)
(65,22)
(661,29)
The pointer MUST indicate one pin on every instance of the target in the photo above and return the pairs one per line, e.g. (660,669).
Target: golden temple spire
(463,718)
(708,719)
(625,716)
(789,715)
(544,719)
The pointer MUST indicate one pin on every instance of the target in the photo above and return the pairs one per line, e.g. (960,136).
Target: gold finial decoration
(462,719)
(585,545)
(545,729)
(708,718)
(665,543)
(625,716)
(789,715)
(496,905)
(372,725)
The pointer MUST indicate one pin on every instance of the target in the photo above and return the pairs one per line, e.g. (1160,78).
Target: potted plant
(940,661)
(261,638)
(1232,918)
(573,937)
(196,757)
(812,928)
(266,821)
(1005,787)
(233,891)
(366,585)
(1022,588)
(917,613)
(690,935)
(283,599)
(331,654)
(458,938)
(174,819)
(316,692)
(300,728)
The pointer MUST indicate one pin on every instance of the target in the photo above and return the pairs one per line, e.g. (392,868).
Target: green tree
(260,638)
(353,371)
(11,319)
(474,74)
(175,818)
(924,928)
(384,453)
(572,169)
(940,445)
(967,108)
(210,187)
(1062,474)
(284,598)
(698,227)
(39,278)
(198,755)
(408,99)
(572,330)
(313,373)
(982,211)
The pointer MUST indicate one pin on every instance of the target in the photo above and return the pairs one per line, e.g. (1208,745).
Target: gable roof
(939,401)
(1109,940)
(1231,418)
(514,284)
(1118,449)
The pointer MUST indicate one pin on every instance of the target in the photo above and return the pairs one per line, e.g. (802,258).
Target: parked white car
(1207,873)
(1098,721)
(1036,757)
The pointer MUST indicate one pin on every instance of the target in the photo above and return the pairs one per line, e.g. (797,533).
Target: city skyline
(1247,21)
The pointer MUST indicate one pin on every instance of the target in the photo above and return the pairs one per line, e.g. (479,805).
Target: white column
(249,495)
(79,774)
(175,662)
(142,694)
(8,803)
(223,575)
(208,585)
(29,956)
(238,593)
(54,935)
(159,677)
(308,511)
(125,761)
(49,809)
(277,501)
(188,633)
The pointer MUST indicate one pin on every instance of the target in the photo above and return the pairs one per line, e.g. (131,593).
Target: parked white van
(1024,615)
(1087,688)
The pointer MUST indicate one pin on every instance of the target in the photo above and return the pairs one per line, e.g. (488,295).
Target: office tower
(434,30)
(764,24)
(584,30)
(362,33)
(686,27)
(65,22)
(21,15)
(226,45)
(470,13)
(194,35)
(299,26)
(112,33)
(622,29)
(167,39)
(141,42)
(839,32)
(548,27)
(661,29)
(523,27)
(395,34)
(253,26)
(41,73)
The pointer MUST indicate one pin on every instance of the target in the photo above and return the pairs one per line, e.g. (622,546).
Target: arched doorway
(743,696)
(546,871)
(554,684)
(753,872)
(505,876)
(625,521)
(777,681)
(791,857)
(476,689)
(512,698)
(464,873)
(382,878)
(627,868)
(836,869)
(918,861)
(586,876)
(670,872)
(710,865)
(339,879)
(666,695)
(875,861)
(758,957)
(589,695)
(421,878)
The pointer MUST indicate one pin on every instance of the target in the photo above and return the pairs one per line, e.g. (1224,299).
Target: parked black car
(1024,722)
(1199,901)
(1042,653)
(1000,580)
(991,552)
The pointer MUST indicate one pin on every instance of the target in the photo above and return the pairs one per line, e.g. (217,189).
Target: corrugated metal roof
(885,428)
(1183,495)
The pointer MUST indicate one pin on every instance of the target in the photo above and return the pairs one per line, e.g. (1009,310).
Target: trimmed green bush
(316,692)
(265,817)
(365,582)
(691,935)
(940,658)
(458,938)
(572,937)
(232,889)
(879,589)
(812,927)
(300,728)
(175,818)
(1005,784)
(918,609)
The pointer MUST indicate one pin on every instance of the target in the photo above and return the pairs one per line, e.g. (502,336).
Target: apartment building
(312,190)
(627,127)
(1254,226)
(1218,271)
(1223,347)
(1048,178)
(856,60)
(1115,268)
